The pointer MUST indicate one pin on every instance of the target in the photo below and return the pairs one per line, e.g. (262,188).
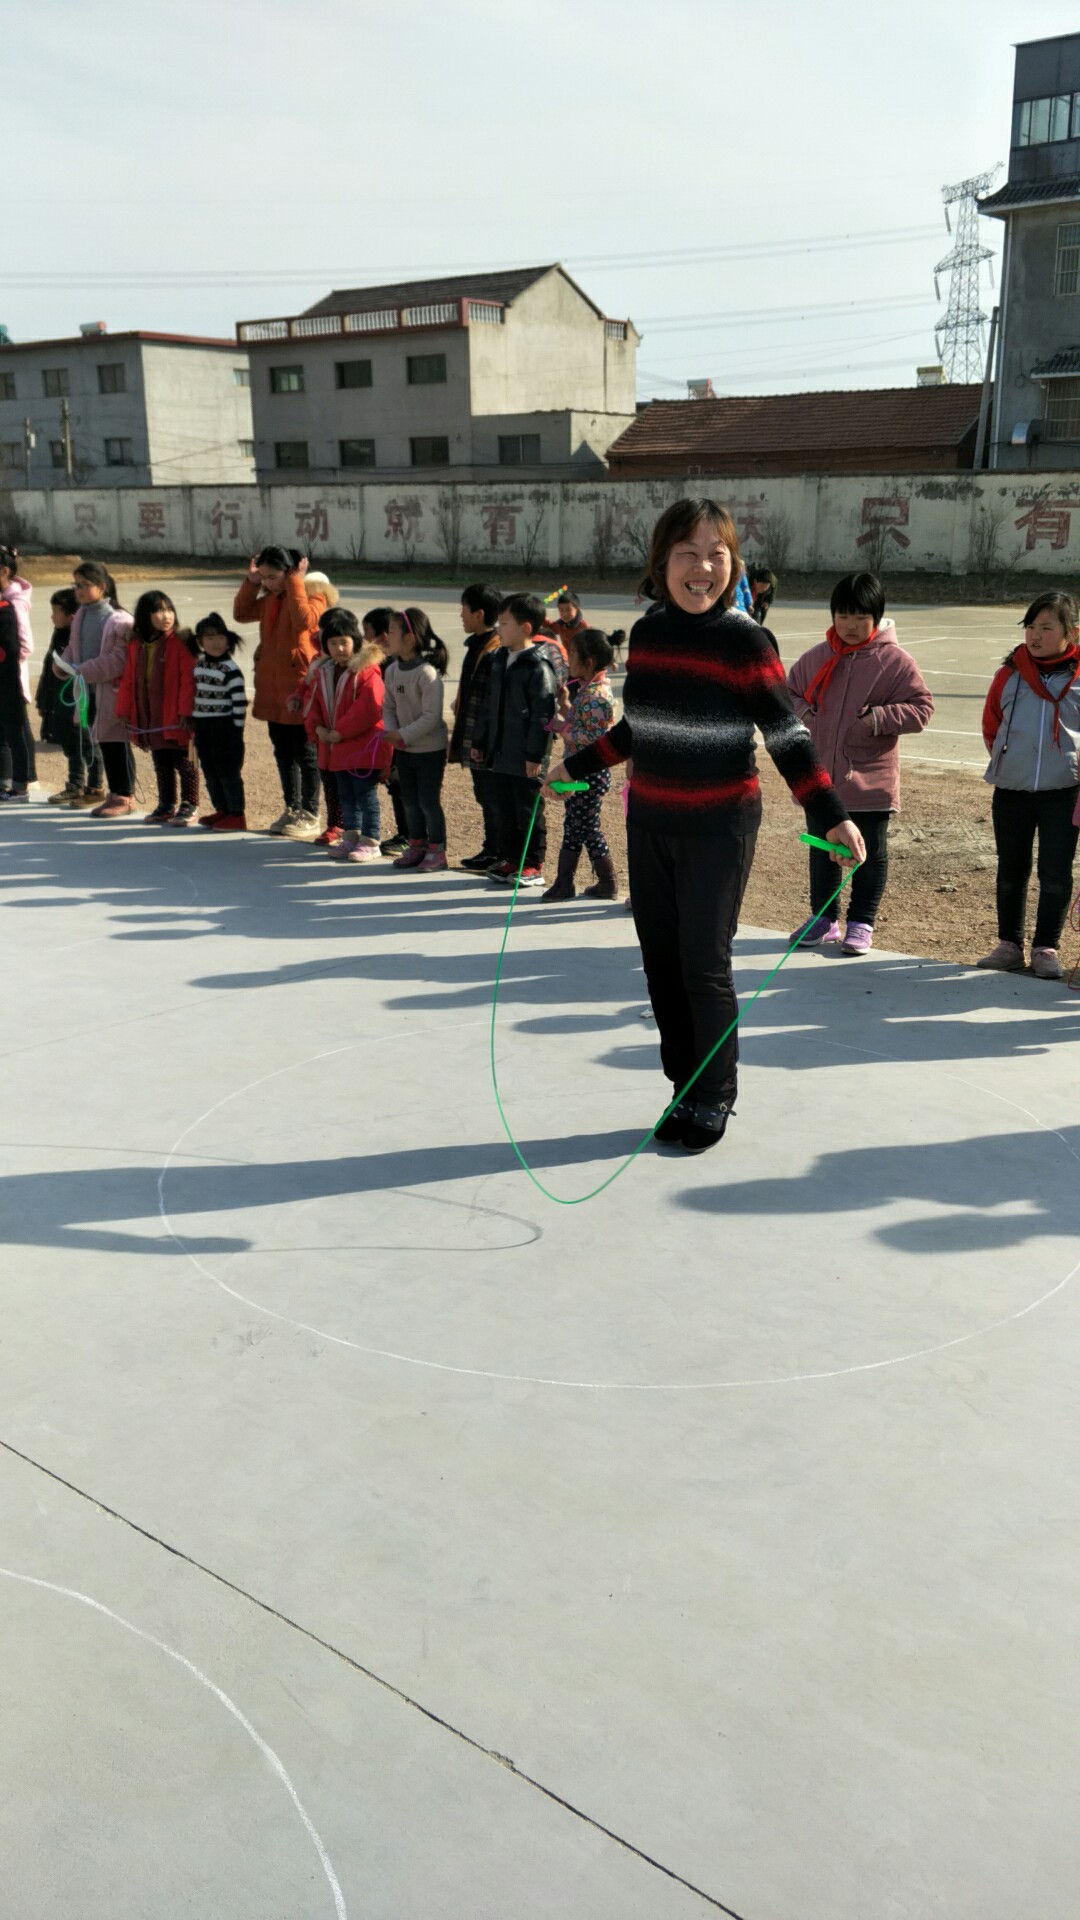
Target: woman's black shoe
(670,1131)
(706,1127)
(479,862)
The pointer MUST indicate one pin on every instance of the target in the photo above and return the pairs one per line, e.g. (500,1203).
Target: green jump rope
(581,786)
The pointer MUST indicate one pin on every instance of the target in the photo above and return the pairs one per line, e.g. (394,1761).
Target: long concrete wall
(961,525)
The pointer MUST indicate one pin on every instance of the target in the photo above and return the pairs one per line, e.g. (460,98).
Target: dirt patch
(940,897)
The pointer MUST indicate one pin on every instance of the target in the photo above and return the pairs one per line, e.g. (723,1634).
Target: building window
(54,383)
(56,453)
(430,452)
(118,453)
(11,453)
(1037,123)
(247,448)
(7,386)
(353,373)
(519,449)
(1067,262)
(290,453)
(241,376)
(286,379)
(356,453)
(1061,419)
(111,380)
(427,369)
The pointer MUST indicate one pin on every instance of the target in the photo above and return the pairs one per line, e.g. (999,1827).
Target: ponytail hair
(432,649)
(96,575)
(9,558)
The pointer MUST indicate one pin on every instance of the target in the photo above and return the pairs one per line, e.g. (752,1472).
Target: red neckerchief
(1028,668)
(819,685)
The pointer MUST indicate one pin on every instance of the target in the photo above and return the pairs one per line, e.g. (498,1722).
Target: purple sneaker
(816,931)
(859,938)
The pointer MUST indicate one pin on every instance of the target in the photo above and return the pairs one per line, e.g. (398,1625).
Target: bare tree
(448,526)
(532,528)
(777,534)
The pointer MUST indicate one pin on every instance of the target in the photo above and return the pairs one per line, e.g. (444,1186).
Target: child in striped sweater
(699,678)
(218,722)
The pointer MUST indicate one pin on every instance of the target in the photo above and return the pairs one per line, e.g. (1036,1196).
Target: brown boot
(562,887)
(607,886)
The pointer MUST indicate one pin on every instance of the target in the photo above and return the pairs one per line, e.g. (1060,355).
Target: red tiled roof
(713,433)
(502,287)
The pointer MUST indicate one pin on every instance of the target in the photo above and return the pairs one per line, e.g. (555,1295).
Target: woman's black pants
(686,891)
(298,766)
(1018,818)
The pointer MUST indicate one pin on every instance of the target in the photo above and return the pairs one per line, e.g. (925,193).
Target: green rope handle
(580,1199)
(80,699)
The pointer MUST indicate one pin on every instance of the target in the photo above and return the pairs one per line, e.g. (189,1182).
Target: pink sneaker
(343,847)
(414,855)
(1006,957)
(363,852)
(434,860)
(859,938)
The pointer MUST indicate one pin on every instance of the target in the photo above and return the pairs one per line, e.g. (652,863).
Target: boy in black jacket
(512,739)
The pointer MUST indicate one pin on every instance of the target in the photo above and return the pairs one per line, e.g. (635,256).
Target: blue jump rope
(581,786)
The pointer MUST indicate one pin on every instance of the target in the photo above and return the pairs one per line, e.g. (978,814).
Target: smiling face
(698,569)
(1047,637)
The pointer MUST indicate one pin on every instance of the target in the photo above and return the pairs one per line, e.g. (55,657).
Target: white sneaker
(302,826)
(283,820)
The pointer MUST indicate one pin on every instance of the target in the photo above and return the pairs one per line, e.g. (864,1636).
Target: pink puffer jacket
(864,767)
(103,672)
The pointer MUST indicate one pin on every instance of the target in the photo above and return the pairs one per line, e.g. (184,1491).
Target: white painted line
(268,1754)
(951,733)
(927,760)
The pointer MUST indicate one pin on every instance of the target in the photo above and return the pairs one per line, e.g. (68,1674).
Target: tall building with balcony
(457,377)
(1035,423)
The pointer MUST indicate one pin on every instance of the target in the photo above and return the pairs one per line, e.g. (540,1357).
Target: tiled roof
(502,287)
(710,433)
(1065,361)
(1026,193)
(100,340)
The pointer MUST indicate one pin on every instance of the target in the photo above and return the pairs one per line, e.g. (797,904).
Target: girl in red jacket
(343,714)
(155,697)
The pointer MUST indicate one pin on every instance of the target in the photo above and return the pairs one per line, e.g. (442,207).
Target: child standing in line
(857,692)
(512,739)
(97,650)
(479,612)
(18,593)
(344,716)
(571,620)
(15,735)
(155,698)
(414,724)
(1031,726)
(376,627)
(217,716)
(85,782)
(586,717)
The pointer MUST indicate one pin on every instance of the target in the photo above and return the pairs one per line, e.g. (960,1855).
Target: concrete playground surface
(381,1539)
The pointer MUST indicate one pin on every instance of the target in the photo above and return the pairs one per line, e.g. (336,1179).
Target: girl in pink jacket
(857,693)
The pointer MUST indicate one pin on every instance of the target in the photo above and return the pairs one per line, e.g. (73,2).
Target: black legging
(119,767)
(298,766)
(868,885)
(15,732)
(686,891)
(1017,818)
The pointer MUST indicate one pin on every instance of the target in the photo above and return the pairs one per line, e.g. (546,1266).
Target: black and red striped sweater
(697,684)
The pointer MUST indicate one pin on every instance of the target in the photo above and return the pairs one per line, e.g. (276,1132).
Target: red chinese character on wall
(746,515)
(891,514)
(85,516)
(403,518)
(501,523)
(222,512)
(1049,520)
(151,518)
(312,522)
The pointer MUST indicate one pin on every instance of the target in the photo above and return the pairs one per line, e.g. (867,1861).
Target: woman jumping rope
(699,678)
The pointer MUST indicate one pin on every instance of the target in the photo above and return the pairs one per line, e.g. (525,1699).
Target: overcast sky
(183,166)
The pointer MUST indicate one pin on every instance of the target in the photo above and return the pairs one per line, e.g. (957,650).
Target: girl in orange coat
(274,593)
(154,699)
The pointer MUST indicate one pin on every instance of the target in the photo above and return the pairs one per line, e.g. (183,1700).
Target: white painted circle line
(598,1386)
(276,1766)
